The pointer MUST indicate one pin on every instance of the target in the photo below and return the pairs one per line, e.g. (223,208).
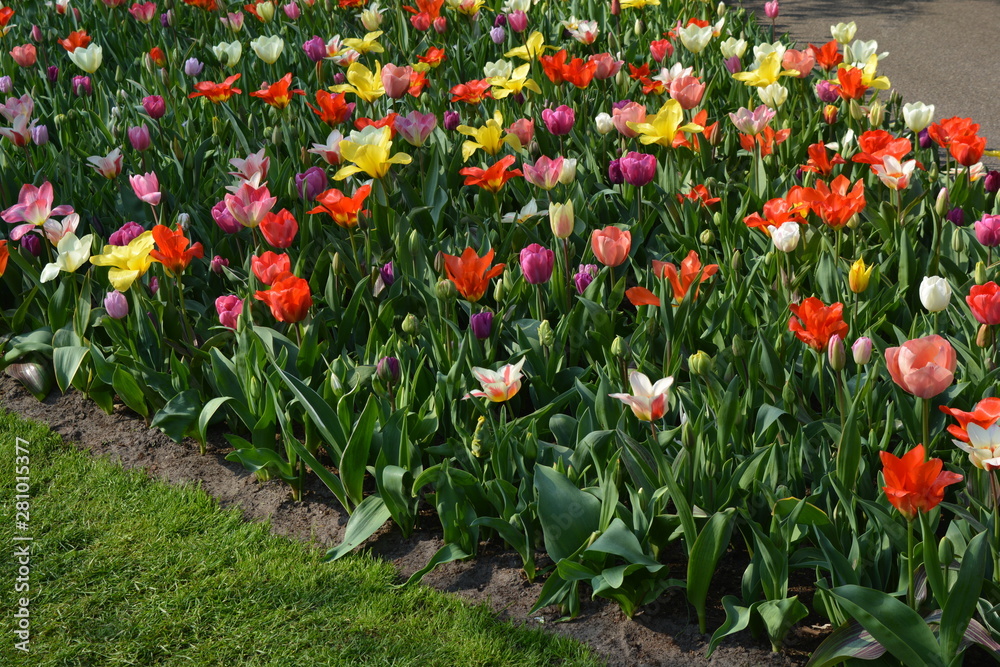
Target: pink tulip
(607,66)
(143,13)
(559,121)
(544,173)
(633,112)
(648,400)
(248,205)
(109,166)
(924,367)
(396,80)
(224,219)
(536,264)
(687,90)
(33,207)
(292,11)
(988,230)
(146,187)
(523,129)
(518,21)
(800,61)
(253,165)
(24,55)
(752,122)
(229,309)
(415,127)
(637,169)
(771,9)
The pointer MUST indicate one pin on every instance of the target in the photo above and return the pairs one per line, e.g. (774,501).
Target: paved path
(941,52)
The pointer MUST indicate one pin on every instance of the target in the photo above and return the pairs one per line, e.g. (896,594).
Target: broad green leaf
(179,414)
(568,515)
(128,390)
(964,595)
(368,517)
(66,362)
(704,556)
(355,458)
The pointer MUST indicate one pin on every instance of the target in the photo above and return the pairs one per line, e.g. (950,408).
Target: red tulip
(913,485)
(984,300)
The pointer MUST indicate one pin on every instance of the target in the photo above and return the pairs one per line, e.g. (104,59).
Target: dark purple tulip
(80,85)
(451,120)
(154,287)
(167,18)
(621,104)
(224,219)
(925,139)
(584,276)
(339,78)
(615,172)
(218,263)
(32,243)
(956,216)
(154,106)
(992,181)
(481,324)
(988,230)
(388,274)
(388,370)
(500,21)
(53,73)
(139,137)
(537,263)
(310,183)
(315,49)
(126,234)
(733,64)
(638,169)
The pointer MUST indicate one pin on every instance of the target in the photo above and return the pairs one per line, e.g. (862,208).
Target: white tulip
(935,293)
(918,115)
(786,236)
(774,95)
(604,123)
(88,59)
(844,32)
(73,253)
(694,38)
(228,53)
(268,48)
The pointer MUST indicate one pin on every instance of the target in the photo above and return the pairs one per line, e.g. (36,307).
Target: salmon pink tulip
(924,367)
(611,245)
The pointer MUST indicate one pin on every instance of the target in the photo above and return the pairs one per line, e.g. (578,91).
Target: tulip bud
(857,113)
(830,114)
(616,7)
(410,324)
(545,334)
(786,236)
(446,290)
(619,348)
(498,290)
(439,262)
(984,338)
(477,448)
(568,173)
(40,135)
(699,363)
(835,353)
(942,203)
(734,263)
(720,9)
(956,216)
(935,293)
(481,324)
(337,264)
(52,73)
(639,27)
(116,305)
(183,221)
(958,242)
(980,274)
(862,350)
(739,347)
(707,237)
(218,263)
(771,9)
(876,113)
(688,437)
(854,221)
(36,34)
(561,219)
(789,395)
(451,120)
(498,35)
(946,551)
(193,67)
(387,371)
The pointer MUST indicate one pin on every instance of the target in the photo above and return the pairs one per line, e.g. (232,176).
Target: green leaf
(319,411)
(254,459)
(737,619)
(179,414)
(568,515)
(128,390)
(894,625)
(779,616)
(618,540)
(355,458)
(368,517)
(964,595)
(445,554)
(705,554)
(66,362)
(206,415)
(332,481)
(848,641)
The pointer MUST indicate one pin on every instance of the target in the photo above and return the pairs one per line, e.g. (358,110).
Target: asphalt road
(941,52)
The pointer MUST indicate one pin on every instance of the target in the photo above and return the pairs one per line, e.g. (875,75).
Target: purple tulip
(218,263)
(733,64)
(638,169)
(537,263)
(310,183)
(615,172)
(116,305)
(224,219)
(80,85)
(500,21)
(193,67)
(6,84)
(992,181)
(498,35)
(36,33)
(584,276)
(53,73)
(559,121)
(827,92)
(32,243)
(167,18)
(125,234)
(481,324)
(139,137)
(988,230)
(154,287)
(388,274)
(40,135)
(924,138)
(451,120)
(315,49)
(956,216)
(154,106)
(339,78)
(387,370)
(621,104)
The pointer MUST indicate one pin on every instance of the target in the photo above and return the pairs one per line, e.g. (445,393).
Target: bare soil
(662,634)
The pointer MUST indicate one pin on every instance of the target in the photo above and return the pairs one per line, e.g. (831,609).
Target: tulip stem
(911,598)
(925,424)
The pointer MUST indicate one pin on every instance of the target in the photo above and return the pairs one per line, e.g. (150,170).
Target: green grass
(130,571)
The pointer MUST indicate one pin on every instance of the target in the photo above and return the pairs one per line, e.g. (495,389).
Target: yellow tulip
(532,48)
(490,137)
(513,84)
(858,277)
(369,151)
(664,126)
(639,4)
(127,262)
(362,82)
(366,45)
(767,73)
(868,77)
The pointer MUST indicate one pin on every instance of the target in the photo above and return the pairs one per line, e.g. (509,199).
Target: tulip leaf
(66,362)
(367,518)
(964,595)
(568,515)
(708,548)
(128,390)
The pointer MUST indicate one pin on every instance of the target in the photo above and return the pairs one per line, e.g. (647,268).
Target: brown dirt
(663,634)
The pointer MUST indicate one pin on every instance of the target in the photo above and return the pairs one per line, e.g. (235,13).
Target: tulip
(773,95)
(127,263)
(913,484)
(279,228)
(648,400)
(387,371)
(752,122)
(116,305)
(858,276)
(523,129)
(451,120)
(827,92)
(268,49)
(559,121)
(6,84)
(584,276)
(561,219)
(604,123)
(40,135)
(481,324)
(694,37)
(396,80)
(638,169)
(518,21)
(109,166)
(252,167)
(292,11)
(415,127)
(615,172)
(52,73)
(568,173)
(229,308)
(154,106)
(217,264)
(248,205)
(310,183)
(315,49)
(835,354)
(87,58)
(224,219)
(193,67)
(72,254)
(607,66)
(918,116)
(611,245)
(125,235)
(786,236)
(631,112)
(544,173)
(988,230)
(771,9)
(984,301)
(862,350)
(498,386)
(369,151)
(991,183)
(923,367)
(844,32)
(498,35)
(139,137)
(24,55)
(688,90)
(270,266)
(387,274)
(536,264)
(32,243)
(80,85)
(146,188)
(935,293)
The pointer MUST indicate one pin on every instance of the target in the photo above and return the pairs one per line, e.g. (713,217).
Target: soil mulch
(662,634)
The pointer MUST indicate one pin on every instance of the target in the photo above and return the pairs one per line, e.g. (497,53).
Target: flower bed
(443,281)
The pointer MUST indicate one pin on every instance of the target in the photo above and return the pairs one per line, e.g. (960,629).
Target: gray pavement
(941,52)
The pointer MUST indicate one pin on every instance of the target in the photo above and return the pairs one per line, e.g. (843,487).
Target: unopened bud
(410,324)
(739,347)
(985,337)
(735,261)
(337,264)
(545,334)
(862,350)
(958,241)
(857,113)
(688,437)
(876,113)
(707,237)
(835,353)
(619,348)
(788,395)
(387,371)
(446,290)
(183,221)
(439,262)
(980,273)
(830,114)
(699,363)
(639,27)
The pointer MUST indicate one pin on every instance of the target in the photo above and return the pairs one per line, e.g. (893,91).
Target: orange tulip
(985,414)
(851,86)
(767,139)
(984,301)
(343,209)
(945,131)
(433,57)
(472,92)
(640,296)
(828,56)
(923,367)
(611,245)
(820,162)
(289,298)
(217,92)
(814,323)
(471,273)
(278,94)
(333,109)
(172,249)
(778,211)
(874,145)
(494,177)
(834,204)
(690,269)
(4,256)
(913,485)
(75,40)
(967,149)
